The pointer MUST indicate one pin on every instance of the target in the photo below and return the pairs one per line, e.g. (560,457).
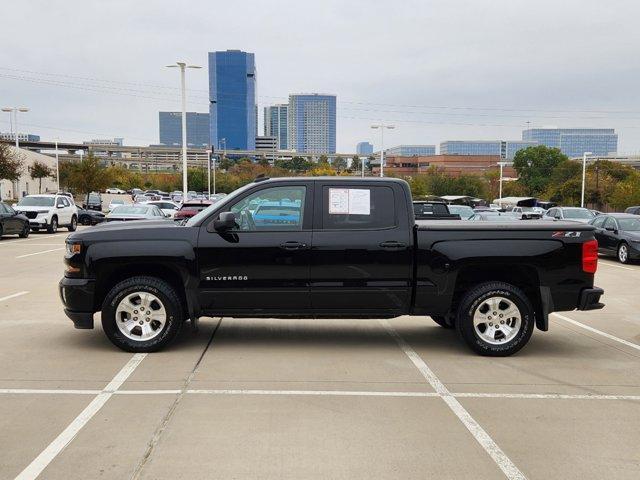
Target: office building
(232,100)
(452,165)
(410,150)
(312,123)
(364,148)
(573,142)
(170,126)
(108,142)
(506,149)
(268,146)
(276,121)
(22,137)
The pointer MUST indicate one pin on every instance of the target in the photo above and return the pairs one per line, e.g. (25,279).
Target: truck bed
(526,225)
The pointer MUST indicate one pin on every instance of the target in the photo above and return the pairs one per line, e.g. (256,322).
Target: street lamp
(57,166)
(183,66)
(501,164)
(584,174)
(209,172)
(15,111)
(382,126)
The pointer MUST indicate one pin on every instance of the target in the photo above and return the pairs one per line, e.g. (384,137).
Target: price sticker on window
(349,201)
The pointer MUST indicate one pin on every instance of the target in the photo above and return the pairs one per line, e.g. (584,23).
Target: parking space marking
(599,332)
(40,253)
(338,393)
(607,264)
(44,391)
(482,437)
(14,295)
(25,240)
(35,468)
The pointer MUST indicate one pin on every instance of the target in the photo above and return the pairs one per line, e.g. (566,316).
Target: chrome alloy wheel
(497,320)
(140,316)
(623,253)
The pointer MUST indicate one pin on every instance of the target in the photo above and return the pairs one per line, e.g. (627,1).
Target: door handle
(291,245)
(393,245)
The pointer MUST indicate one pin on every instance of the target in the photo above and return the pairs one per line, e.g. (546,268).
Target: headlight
(73,248)
(42,211)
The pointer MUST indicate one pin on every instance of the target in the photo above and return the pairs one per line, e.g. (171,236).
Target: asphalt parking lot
(297,399)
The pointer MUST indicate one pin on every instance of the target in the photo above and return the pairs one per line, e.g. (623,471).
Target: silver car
(139,211)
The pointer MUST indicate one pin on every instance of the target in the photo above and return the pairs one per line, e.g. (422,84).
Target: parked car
(12,222)
(93,202)
(113,190)
(115,202)
(90,217)
(190,208)
(575,214)
(493,216)
(354,250)
(633,210)
(135,192)
(139,211)
(618,234)
(49,211)
(465,211)
(147,197)
(167,206)
(428,210)
(527,213)
(215,197)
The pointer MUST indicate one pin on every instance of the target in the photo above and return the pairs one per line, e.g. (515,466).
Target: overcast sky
(438,70)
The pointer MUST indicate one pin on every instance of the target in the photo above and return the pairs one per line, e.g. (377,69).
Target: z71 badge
(564,234)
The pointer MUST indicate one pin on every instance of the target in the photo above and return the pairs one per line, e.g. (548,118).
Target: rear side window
(610,223)
(358,208)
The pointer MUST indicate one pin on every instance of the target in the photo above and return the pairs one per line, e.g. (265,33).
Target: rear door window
(358,208)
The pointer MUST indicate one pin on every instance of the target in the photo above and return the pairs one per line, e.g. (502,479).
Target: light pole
(183,66)
(209,172)
(584,174)
(382,126)
(15,111)
(57,166)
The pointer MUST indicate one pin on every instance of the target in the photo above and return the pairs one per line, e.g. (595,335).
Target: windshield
(629,224)
(36,202)
(578,213)
(229,198)
(130,210)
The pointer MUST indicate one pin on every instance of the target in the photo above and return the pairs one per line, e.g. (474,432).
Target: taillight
(590,256)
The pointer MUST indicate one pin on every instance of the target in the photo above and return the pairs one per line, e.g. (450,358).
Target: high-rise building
(110,142)
(232,100)
(170,127)
(504,148)
(312,123)
(22,137)
(410,150)
(573,142)
(364,148)
(276,123)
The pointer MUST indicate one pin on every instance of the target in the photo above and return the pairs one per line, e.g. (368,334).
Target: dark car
(90,217)
(618,234)
(493,216)
(93,202)
(633,210)
(12,222)
(190,208)
(429,210)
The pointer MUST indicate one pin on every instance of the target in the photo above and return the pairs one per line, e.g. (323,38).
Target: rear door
(361,261)
(610,235)
(262,266)
(598,223)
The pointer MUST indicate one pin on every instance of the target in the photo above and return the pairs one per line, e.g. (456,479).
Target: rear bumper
(590,299)
(77,297)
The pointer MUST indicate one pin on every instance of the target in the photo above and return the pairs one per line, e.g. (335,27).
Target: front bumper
(40,222)
(77,297)
(590,299)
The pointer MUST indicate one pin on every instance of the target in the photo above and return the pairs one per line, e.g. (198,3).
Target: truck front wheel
(495,319)
(142,314)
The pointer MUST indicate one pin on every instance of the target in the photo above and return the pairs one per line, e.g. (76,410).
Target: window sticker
(349,201)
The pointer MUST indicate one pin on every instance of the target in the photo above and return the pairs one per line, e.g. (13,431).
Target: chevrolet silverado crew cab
(328,248)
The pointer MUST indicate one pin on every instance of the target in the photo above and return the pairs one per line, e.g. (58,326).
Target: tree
(339,163)
(39,170)
(10,165)
(323,160)
(88,175)
(356,164)
(535,166)
(370,160)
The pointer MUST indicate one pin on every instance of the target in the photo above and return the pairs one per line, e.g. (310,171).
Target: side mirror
(225,221)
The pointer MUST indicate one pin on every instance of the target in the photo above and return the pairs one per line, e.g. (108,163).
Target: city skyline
(455,92)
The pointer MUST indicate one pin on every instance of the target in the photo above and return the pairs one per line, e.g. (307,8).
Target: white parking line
(51,391)
(9,297)
(607,264)
(35,468)
(6,242)
(40,253)
(495,452)
(599,332)
(337,393)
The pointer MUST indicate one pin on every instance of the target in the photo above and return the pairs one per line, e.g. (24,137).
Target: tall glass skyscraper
(232,100)
(364,148)
(170,126)
(276,121)
(312,123)
(573,142)
(505,149)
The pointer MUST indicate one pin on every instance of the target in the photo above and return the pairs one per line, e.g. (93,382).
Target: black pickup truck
(328,248)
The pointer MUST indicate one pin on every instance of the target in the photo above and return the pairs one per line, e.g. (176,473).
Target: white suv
(49,211)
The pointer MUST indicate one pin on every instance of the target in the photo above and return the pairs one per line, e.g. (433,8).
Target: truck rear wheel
(495,319)
(142,314)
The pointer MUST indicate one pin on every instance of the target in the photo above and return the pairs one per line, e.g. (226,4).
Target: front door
(9,221)
(262,266)
(362,249)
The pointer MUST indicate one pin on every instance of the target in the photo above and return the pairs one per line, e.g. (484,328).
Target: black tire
(74,224)
(85,220)
(53,226)
(1,231)
(623,252)
(442,321)
(35,229)
(474,301)
(25,231)
(160,289)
